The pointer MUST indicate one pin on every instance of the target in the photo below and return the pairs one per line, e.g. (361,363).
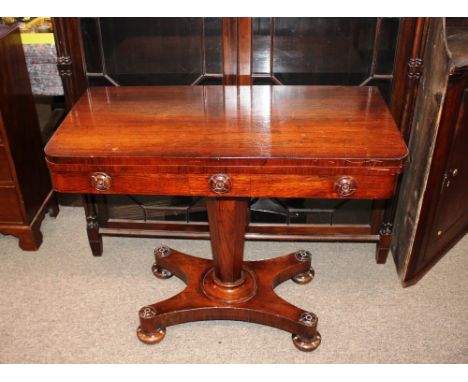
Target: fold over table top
(228,125)
(248,141)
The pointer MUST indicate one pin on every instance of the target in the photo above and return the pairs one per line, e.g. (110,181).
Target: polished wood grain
(245,51)
(228,222)
(272,141)
(197,302)
(230,50)
(244,185)
(262,126)
(237,50)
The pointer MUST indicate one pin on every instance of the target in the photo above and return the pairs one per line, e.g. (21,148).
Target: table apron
(242,185)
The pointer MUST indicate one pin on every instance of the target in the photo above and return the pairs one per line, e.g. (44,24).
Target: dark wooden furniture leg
(228,288)
(383,246)
(53,208)
(381,228)
(92,225)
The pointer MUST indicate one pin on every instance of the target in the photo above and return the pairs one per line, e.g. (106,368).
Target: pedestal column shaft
(228,221)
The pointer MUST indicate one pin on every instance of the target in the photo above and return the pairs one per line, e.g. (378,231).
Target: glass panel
(211,81)
(99,81)
(323,50)
(456,22)
(261,44)
(265,210)
(328,212)
(213,55)
(310,211)
(90,37)
(262,210)
(387,48)
(385,87)
(198,212)
(263,81)
(150,208)
(152,51)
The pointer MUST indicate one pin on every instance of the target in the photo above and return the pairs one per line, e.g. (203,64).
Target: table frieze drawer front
(248,185)
(5,174)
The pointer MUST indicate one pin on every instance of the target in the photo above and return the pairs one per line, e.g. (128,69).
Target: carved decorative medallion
(220,183)
(308,318)
(162,251)
(148,312)
(303,255)
(345,186)
(101,181)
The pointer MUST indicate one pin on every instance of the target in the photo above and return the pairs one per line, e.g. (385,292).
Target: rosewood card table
(229,144)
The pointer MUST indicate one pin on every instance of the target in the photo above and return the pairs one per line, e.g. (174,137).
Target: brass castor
(304,278)
(151,339)
(306,344)
(161,273)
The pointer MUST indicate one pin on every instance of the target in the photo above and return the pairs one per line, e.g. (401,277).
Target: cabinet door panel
(452,210)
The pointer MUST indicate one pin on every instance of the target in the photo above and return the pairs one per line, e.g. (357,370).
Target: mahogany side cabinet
(25,188)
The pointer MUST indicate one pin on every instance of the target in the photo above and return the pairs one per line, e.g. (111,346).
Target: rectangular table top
(228,125)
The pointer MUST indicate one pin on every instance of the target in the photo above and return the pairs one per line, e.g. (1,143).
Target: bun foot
(152,338)
(306,344)
(304,278)
(161,273)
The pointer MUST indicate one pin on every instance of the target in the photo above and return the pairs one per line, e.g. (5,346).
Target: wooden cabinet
(432,210)
(25,188)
